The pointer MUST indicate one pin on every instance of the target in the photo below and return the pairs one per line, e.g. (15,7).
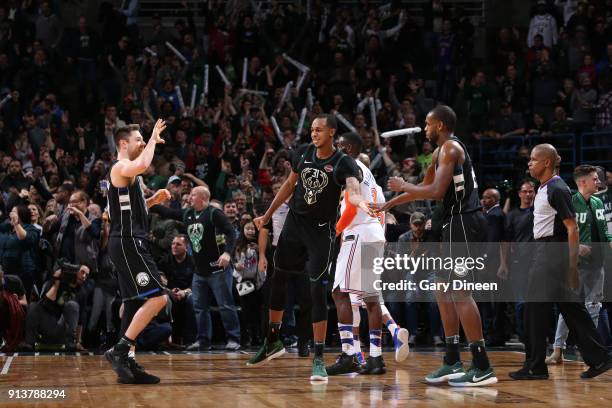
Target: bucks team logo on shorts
(314,181)
(142,279)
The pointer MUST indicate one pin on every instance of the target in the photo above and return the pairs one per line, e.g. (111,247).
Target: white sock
(375,343)
(356,344)
(132,354)
(346,337)
(390,323)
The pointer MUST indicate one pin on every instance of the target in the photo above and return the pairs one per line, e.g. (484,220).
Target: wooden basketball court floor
(223,380)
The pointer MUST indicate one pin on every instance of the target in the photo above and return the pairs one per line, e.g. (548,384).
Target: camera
(69,271)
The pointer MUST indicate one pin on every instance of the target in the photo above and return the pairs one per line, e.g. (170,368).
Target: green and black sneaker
(445,373)
(318,370)
(344,364)
(474,378)
(266,353)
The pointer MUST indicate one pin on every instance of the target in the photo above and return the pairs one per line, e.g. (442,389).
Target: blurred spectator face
(83,180)
(359,120)
(427,148)
(417,228)
(504,35)
(586,81)
(524,150)
(338,100)
(39,57)
(588,60)
(181,137)
(373,44)
(35,213)
(232,182)
(34,195)
(506,110)
(338,58)
(51,206)
(6,161)
(179,247)
(488,199)
(111,113)
(185,201)
(321,133)
(511,72)
(185,186)
(480,78)
(368,140)
(82,24)
(198,198)
(45,9)
(14,169)
(245,218)
(538,41)
(276,188)
(174,188)
(527,195)
(78,200)
(568,86)
(249,230)
(230,210)
(241,202)
(559,114)
(82,275)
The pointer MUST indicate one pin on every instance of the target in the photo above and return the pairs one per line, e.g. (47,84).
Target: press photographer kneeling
(53,320)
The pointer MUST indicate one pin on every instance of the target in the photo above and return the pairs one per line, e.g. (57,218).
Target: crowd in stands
(66,85)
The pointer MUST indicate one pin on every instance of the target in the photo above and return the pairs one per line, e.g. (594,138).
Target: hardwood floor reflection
(223,380)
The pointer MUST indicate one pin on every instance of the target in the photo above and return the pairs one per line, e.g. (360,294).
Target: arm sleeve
(166,212)
(561,201)
(221,222)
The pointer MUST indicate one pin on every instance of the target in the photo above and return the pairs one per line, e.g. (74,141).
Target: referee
(553,277)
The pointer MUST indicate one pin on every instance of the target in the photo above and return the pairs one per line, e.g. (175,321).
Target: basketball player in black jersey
(139,281)
(451,178)
(319,172)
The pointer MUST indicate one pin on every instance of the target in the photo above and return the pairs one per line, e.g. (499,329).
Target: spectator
(543,24)
(18,238)
(249,282)
(13,306)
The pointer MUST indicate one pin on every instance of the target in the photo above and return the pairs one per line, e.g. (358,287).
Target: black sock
(318,349)
(124,344)
(452,350)
(273,332)
(479,355)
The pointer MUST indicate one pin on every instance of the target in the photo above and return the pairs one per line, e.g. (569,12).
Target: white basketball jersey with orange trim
(371,192)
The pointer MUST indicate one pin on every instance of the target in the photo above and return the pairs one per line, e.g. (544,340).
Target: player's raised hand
(161,196)
(160,126)
(396,184)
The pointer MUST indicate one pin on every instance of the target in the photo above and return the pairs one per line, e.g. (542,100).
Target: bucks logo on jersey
(196,232)
(314,181)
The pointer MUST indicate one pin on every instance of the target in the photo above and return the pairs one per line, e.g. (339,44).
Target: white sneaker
(400,340)
(232,346)
(438,342)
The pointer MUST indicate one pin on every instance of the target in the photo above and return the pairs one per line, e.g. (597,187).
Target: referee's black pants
(547,285)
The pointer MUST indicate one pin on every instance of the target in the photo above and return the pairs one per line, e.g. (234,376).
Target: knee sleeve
(130,308)
(278,290)
(356,315)
(318,291)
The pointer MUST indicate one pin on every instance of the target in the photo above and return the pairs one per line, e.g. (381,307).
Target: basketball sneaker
(120,364)
(266,353)
(373,366)
(400,341)
(140,375)
(344,364)
(445,373)
(318,370)
(474,378)
(360,358)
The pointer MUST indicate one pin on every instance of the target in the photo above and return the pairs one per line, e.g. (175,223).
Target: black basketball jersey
(462,194)
(128,210)
(320,183)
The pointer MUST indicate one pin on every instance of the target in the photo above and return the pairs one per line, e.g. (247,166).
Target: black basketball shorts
(136,270)
(305,246)
(463,236)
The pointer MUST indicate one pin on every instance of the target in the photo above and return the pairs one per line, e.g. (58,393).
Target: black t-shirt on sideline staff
(319,186)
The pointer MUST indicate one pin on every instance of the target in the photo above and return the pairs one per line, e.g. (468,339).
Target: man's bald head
(199,197)
(544,161)
(490,197)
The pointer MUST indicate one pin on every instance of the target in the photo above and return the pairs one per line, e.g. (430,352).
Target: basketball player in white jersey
(357,228)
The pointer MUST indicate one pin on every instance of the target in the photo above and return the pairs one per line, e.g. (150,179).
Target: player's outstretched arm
(132,168)
(355,198)
(283,194)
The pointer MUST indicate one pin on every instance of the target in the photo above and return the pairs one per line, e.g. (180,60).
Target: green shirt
(584,218)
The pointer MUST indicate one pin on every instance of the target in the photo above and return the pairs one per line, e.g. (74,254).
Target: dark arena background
(239,84)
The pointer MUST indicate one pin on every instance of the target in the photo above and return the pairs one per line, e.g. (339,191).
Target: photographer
(55,317)
(13,306)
